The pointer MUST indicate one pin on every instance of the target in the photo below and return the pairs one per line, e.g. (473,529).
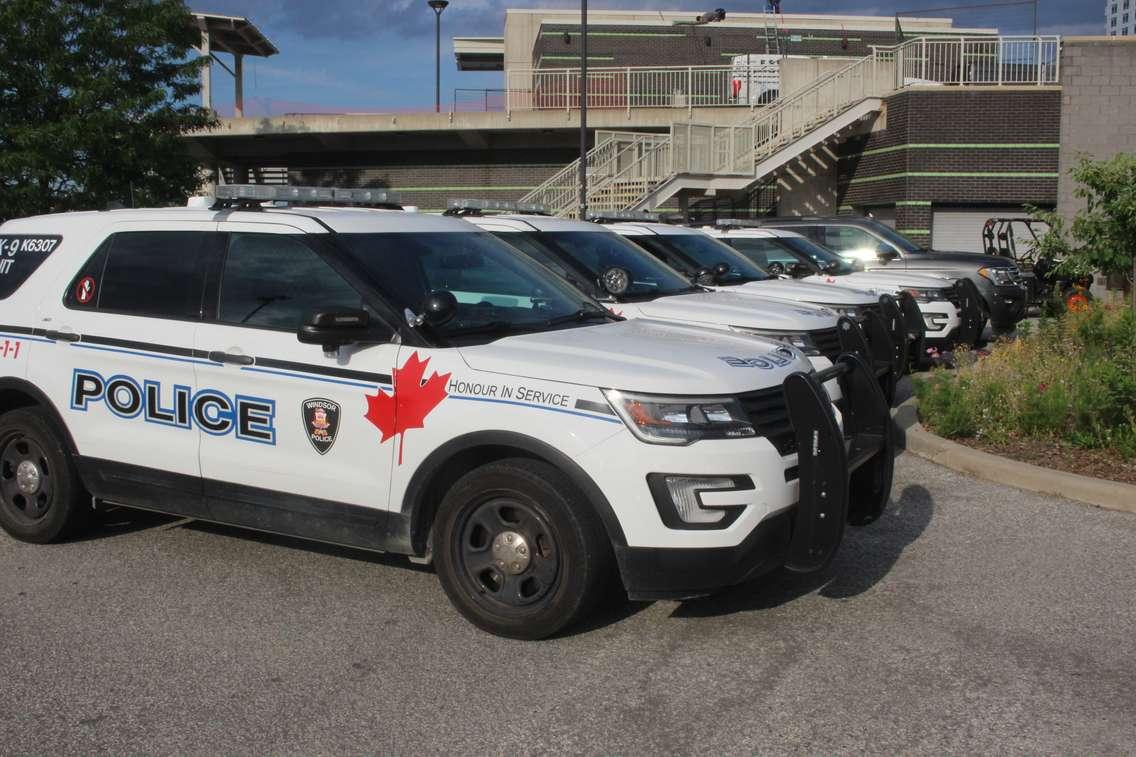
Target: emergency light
(469,206)
(256,193)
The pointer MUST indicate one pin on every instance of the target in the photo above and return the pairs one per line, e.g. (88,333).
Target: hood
(804,291)
(725,308)
(642,356)
(967,259)
(884,282)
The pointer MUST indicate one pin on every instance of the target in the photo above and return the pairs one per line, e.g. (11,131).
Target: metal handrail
(632,87)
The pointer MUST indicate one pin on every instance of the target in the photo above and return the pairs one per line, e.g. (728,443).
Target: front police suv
(407,383)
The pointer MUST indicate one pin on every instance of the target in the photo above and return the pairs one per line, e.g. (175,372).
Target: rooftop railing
(631,87)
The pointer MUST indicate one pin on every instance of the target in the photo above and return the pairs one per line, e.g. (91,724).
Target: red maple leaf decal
(410,401)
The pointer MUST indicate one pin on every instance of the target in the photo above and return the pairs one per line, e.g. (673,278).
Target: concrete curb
(1111,495)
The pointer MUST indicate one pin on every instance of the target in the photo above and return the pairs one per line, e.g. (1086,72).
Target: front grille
(827,341)
(769,415)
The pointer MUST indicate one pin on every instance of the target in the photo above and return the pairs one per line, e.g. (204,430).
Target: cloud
(390,20)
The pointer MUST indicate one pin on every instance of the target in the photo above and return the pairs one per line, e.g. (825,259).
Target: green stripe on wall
(576,57)
(913,203)
(614,34)
(832,39)
(924,232)
(958,146)
(959,174)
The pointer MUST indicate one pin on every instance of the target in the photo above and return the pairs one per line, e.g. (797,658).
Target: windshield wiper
(588,313)
(493,327)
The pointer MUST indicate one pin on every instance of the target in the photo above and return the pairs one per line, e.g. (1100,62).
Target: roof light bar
(470,206)
(296,195)
(737,223)
(615,216)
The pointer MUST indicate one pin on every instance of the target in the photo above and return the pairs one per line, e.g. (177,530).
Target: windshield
(497,290)
(694,252)
(822,258)
(582,256)
(893,236)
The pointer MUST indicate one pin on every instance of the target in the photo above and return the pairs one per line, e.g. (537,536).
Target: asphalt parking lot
(972,617)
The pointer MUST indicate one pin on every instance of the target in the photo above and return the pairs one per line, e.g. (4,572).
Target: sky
(377,56)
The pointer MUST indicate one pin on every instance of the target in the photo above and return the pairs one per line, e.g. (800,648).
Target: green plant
(1105,230)
(1071,378)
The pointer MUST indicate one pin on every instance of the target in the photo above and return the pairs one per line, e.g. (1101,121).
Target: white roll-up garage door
(961,229)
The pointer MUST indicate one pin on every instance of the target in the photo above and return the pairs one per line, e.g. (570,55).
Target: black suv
(878,246)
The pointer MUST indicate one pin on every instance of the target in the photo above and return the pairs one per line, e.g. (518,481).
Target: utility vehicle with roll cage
(407,383)
(948,308)
(634,284)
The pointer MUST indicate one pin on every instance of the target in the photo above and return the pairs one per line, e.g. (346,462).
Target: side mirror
(334,328)
(883,252)
(720,270)
(798,270)
(615,280)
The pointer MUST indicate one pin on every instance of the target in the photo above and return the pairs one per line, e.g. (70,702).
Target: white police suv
(407,383)
(949,307)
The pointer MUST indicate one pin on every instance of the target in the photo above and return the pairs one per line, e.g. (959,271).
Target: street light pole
(438,6)
(583,110)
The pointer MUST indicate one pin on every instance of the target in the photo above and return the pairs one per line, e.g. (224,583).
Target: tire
(519,551)
(41,497)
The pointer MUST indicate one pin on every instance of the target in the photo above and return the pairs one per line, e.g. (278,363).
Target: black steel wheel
(41,497)
(518,550)
(508,552)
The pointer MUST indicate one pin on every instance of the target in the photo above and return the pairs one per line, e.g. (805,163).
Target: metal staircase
(631,174)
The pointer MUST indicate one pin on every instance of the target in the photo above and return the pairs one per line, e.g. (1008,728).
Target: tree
(1105,231)
(93,102)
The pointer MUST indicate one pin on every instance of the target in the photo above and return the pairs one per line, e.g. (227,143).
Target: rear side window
(20,255)
(148,273)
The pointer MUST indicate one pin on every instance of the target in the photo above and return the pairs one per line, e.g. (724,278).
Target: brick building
(931,127)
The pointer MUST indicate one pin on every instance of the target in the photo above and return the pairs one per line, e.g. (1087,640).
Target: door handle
(62,336)
(229,357)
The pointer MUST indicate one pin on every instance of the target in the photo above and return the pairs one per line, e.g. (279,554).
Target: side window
(275,280)
(147,273)
(20,255)
(845,238)
(762,251)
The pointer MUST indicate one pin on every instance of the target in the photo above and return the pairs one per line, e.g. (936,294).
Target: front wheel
(41,497)
(519,551)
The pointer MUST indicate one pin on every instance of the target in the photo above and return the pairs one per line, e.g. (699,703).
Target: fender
(11,384)
(419,512)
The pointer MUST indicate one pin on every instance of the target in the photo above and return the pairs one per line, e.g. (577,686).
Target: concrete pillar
(206,72)
(239,85)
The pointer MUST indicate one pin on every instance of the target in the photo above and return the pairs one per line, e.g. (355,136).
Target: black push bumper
(844,477)
(873,341)
(968,300)
(1006,305)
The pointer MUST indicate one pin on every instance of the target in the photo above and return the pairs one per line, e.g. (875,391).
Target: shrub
(1070,378)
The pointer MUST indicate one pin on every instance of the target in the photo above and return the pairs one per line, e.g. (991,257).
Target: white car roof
(715,231)
(639,229)
(314,220)
(517,222)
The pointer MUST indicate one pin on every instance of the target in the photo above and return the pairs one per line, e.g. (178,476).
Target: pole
(437,61)
(583,109)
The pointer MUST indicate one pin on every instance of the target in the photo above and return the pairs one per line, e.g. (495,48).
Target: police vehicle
(407,383)
(949,308)
(635,285)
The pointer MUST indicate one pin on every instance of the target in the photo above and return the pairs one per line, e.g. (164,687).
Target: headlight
(855,312)
(998,276)
(680,420)
(927,295)
(797,339)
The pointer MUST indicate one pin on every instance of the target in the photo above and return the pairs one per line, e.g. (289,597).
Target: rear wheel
(519,551)
(41,497)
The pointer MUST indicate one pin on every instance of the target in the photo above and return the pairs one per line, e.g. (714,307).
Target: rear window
(20,255)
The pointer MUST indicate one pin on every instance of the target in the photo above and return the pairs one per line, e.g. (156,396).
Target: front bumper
(1006,305)
(844,476)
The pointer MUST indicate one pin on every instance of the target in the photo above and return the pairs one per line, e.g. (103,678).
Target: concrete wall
(807,186)
(1098,106)
(798,73)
